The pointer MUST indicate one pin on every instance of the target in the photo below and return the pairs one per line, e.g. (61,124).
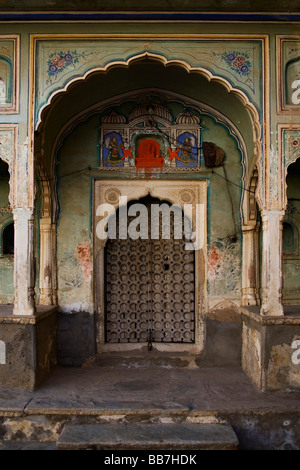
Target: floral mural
(223,267)
(75,58)
(59,61)
(239,62)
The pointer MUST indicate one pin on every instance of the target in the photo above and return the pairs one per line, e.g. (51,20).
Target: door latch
(150,339)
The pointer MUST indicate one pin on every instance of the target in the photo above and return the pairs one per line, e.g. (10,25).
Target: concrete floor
(106,388)
(261,420)
(111,388)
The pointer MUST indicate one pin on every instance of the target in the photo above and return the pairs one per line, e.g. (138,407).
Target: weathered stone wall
(270,351)
(28,348)
(223,339)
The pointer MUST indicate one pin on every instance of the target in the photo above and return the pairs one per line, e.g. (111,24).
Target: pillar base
(271,350)
(46,296)
(249,297)
(272,311)
(27,347)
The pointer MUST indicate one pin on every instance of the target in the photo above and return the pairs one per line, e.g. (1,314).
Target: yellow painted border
(14,108)
(264,38)
(12,167)
(282,170)
(282,107)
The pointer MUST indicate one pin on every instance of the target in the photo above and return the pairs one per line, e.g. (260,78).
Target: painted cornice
(121,16)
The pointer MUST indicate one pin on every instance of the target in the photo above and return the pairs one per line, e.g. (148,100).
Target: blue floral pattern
(238,61)
(58,61)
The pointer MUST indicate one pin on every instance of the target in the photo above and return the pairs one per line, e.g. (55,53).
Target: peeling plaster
(225,311)
(83,253)
(274,193)
(36,428)
(224,270)
(281,370)
(77,307)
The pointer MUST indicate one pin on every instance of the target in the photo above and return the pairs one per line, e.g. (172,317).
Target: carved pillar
(24,270)
(250,266)
(47,256)
(272,263)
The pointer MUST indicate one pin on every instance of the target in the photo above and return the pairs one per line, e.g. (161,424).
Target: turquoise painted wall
(117,81)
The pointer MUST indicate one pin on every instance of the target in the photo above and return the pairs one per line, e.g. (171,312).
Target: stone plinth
(271,349)
(27,347)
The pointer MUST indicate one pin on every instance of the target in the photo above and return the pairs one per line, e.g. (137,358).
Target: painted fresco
(291,142)
(159,136)
(112,152)
(224,268)
(188,151)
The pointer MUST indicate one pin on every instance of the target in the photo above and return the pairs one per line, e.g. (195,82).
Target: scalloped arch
(249,106)
(253,112)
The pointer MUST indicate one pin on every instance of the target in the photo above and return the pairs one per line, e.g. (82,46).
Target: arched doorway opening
(6,237)
(150,265)
(74,142)
(290,236)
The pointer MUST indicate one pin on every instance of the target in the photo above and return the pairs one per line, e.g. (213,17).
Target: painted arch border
(282,106)
(289,152)
(260,121)
(210,76)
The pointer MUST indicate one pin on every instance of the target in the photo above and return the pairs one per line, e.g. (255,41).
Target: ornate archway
(191,197)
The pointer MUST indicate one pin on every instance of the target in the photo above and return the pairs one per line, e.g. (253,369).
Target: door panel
(150,288)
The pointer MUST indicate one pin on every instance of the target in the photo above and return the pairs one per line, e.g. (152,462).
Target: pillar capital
(272,214)
(25,211)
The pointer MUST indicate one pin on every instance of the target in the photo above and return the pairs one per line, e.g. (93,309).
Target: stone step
(179,436)
(27,445)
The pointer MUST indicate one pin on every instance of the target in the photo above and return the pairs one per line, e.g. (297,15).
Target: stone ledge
(252,313)
(43,311)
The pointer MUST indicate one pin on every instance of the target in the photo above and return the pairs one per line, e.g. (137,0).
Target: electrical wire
(124,173)
(231,202)
(231,182)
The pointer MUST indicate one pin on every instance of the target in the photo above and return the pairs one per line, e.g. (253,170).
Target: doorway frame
(108,191)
